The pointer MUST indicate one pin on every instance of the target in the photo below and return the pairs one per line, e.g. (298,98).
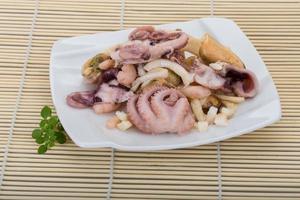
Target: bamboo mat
(264,164)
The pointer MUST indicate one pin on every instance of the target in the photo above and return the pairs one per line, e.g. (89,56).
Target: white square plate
(87,129)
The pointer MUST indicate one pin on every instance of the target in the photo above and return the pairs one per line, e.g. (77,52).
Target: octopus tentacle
(112,94)
(188,121)
(144,108)
(242,81)
(161,110)
(172,98)
(207,77)
(141,50)
(181,110)
(168,47)
(134,115)
(81,99)
(106,98)
(141,33)
(149,33)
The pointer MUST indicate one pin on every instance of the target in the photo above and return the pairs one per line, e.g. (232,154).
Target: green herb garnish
(49,132)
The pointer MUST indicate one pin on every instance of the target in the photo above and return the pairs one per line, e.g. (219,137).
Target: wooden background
(264,164)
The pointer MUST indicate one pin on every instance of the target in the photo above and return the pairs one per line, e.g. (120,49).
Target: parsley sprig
(49,132)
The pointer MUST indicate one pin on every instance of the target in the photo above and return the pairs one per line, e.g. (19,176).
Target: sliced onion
(151,75)
(141,71)
(229,109)
(186,77)
(146,83)
(231,98)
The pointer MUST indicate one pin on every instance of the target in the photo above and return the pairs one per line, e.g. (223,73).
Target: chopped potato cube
(112,122)
(211,114)
(121,115)
(124,125)
(202,126)
(221,120)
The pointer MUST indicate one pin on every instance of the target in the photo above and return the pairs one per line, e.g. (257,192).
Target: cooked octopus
(106,99)
(207,77)
(242,81)
(142,51)
(163,85)
(112,94)
(230,79)
(149,33)
(141,33)
(160,110)
(81,99)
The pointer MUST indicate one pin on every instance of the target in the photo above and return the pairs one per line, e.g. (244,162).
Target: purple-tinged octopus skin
(107,98)
(141,33)
(149,33)
(242,81)
(141,50)
(81,99)
(207,77)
